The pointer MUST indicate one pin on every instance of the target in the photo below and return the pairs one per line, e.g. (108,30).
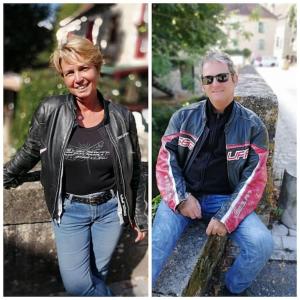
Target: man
(212,165)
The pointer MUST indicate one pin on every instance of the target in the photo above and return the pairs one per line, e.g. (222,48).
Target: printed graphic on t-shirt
(86,151)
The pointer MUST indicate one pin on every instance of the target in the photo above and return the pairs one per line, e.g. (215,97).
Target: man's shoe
(227,293)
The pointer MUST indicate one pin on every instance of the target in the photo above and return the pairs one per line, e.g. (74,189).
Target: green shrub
(155,203)
(37,84)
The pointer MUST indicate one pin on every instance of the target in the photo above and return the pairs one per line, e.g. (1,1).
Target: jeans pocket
(67,203)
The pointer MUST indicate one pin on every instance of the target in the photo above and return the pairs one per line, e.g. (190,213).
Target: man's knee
(261,244)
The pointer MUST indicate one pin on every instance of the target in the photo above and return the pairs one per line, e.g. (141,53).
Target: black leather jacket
(48,136)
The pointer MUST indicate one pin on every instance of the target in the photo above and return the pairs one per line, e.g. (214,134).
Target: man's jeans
(85,241)
(252,236)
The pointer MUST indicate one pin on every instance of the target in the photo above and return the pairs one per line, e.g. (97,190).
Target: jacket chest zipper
(228,174)
(58,191)
(196,150)
(123,200)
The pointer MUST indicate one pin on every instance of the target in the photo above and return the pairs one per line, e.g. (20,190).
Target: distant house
(286,32)
(255,19)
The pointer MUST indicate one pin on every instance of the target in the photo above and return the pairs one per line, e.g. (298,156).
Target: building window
(261,28)
(261,44)
(235,43)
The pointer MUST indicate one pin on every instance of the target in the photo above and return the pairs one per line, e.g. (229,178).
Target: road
(284,85)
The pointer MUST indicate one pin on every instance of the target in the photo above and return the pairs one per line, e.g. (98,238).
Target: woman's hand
(140,234)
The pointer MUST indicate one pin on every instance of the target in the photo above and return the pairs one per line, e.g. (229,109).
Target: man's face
(219,93)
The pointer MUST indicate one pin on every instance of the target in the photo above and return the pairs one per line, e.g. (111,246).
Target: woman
(90,160)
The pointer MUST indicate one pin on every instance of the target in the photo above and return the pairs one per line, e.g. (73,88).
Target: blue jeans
(85,240)
(252,236)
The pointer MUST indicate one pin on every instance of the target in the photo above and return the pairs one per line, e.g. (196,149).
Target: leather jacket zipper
(196,150)
(123,201)
(58,191)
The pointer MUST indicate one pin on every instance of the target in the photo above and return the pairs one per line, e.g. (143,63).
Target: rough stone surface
(188,270)
(25,204)
(253,92)
(284,255)
(278,279)
(176,274)
(30,265)
(292,232)
(289,242)
(288,200)
(277,242)
(279,229)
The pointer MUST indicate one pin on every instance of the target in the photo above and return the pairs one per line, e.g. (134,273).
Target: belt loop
(70,197)
(112,192)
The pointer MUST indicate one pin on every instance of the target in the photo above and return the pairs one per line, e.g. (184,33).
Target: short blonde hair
(74,47)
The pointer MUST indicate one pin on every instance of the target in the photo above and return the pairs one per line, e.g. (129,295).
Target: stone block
(284,255)
(190,267)
(280,230)
(277,242)
(253,93)
(30,264)
(25,204)
(292,232)
(290,243)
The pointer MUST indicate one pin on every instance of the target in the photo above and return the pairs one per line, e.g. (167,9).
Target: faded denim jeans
(252,236)
(85,239)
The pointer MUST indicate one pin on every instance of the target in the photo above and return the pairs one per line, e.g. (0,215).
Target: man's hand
(140,234)
(190,208)
(215,227)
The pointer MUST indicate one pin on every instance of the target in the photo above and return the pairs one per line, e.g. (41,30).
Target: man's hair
(220,57)
(75,48)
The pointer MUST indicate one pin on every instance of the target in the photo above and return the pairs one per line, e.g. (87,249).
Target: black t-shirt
(88,161)
(208,173)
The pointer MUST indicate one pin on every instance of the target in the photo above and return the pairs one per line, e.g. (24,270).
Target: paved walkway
(284,84)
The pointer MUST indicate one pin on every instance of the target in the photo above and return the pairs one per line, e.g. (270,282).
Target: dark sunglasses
(222,77)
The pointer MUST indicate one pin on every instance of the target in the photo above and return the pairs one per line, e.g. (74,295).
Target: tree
(23,38)
(185,28)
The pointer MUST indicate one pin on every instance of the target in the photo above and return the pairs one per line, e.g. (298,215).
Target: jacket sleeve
(249,191)
(138,184)
(28,155)
(169,175)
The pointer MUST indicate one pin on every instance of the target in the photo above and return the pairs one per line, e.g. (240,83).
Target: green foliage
(65,10)
(23,38)
(160,120)
(37,84)
(188,28)
(245,52)
(155,202)
(293,16)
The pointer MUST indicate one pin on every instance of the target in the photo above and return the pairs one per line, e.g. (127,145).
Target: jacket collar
(72,104)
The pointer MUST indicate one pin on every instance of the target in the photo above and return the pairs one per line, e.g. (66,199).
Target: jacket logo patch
(123,135)
(236,155)
(185,142)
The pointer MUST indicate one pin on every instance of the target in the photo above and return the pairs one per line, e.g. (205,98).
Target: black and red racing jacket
(247,152)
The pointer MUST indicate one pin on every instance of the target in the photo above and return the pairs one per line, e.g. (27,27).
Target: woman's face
(80,78)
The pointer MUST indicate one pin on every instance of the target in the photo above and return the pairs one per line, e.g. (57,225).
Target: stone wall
(30,261)
(253,92)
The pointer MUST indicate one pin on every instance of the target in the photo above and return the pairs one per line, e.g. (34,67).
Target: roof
(247,8)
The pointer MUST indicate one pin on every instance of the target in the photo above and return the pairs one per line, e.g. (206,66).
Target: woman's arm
(26,158)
